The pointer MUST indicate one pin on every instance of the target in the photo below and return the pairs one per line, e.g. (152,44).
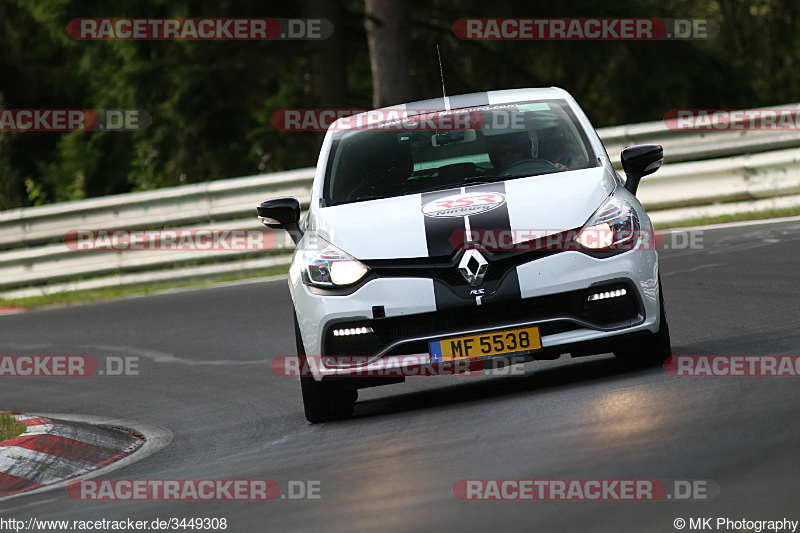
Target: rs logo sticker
(460,205)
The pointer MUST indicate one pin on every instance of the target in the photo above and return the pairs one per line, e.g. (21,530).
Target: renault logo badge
(473,267)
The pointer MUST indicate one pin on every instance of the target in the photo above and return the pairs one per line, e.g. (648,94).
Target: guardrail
(35,260)
(746,177)
(211,201)
(687,145)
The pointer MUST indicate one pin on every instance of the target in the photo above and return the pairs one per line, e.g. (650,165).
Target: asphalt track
(205,377)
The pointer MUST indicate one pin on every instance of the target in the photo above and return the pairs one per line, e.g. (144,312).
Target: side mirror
(639,161)
(281,213)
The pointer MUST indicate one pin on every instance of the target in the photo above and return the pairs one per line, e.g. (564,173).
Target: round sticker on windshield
(461,205)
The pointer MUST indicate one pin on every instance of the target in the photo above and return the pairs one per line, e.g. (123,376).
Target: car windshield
(456,148)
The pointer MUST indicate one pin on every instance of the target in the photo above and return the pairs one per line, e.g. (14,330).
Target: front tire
(654,349)
(322,401)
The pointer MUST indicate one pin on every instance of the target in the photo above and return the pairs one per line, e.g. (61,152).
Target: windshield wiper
(489,178)
(437,188)
(469,180)
(370,197)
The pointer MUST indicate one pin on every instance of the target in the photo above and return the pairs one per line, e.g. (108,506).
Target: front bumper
(552,294)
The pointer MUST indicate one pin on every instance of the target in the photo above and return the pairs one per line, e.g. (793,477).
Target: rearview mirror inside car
(442,138)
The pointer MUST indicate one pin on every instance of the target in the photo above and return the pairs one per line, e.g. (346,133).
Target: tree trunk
(328,72)
(387,37)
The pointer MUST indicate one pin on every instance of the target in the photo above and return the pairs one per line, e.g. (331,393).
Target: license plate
(485,344)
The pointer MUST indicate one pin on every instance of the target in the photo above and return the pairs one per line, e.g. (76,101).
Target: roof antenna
(441,74)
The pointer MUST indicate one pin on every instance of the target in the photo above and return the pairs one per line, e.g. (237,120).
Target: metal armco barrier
(702,169)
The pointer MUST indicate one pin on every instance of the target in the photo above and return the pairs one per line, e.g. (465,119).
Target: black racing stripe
(497,291)
(508,290)
(497,220)
(446,298)
(439,230)
(439,233)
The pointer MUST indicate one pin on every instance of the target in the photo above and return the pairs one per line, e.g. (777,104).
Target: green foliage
(211,102)
(10,427)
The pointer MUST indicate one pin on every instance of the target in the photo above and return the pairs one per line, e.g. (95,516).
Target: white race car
(472,228)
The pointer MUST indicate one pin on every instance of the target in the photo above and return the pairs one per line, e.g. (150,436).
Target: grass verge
(10,427)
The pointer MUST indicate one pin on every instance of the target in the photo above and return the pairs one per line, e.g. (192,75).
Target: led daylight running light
(608,294)
(351,331)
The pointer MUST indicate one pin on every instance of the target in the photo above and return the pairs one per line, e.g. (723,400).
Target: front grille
(574,304)
(445,268)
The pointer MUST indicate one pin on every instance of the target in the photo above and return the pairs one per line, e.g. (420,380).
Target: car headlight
(325,265)
(615,225)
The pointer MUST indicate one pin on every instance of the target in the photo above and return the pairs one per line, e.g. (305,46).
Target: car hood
(394,228)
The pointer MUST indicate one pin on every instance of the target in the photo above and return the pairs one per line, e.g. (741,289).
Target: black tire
(655,348)
(322,401)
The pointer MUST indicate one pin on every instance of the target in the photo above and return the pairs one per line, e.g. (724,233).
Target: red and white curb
(11,310)
(53,450)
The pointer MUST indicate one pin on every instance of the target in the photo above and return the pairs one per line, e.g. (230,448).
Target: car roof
(459,101)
